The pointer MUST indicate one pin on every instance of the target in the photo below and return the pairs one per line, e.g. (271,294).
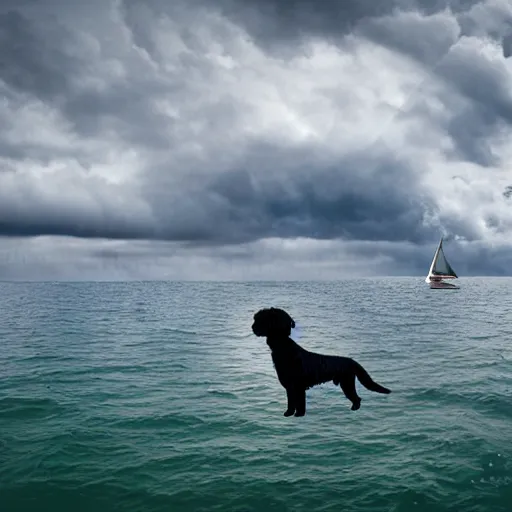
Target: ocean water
(155,396)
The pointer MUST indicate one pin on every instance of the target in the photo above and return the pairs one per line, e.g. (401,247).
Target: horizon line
(163,280)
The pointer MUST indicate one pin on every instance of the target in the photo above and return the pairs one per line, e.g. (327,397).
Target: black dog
(298,369)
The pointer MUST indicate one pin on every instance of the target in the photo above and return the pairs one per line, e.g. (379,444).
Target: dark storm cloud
(291,20)
(477,92)
(124,106)
(424,39)
(105,88)
(359,197)
(283,25)
(47,60)
(33,58)
(395,24)
(507,46)
(421,29)
(362,197)
(28,216)
(478,79)
(471,131)
(483,83)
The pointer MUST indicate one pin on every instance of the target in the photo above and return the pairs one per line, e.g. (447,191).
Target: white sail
(430,270)
(440,266)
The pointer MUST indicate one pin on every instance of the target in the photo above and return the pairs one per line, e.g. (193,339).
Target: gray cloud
(287,193)
(58,259)
(331,121)
(481,81)
(421,29)
(507,46)
(355,198)
(32,58)
(61,259)
(291,20)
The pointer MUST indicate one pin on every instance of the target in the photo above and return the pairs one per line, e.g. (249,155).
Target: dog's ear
(282,323)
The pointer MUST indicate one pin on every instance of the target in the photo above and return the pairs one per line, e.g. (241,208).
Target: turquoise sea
(155,396)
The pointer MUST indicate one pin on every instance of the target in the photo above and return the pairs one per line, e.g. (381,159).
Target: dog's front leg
(290,396)
(300,402)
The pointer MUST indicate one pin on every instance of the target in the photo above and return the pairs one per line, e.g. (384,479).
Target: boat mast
(434,259)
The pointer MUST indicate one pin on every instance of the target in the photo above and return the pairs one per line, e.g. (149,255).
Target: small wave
(250,387)
(43,358)
(174,330)
(106,369)
(494,403)
(169,422)
(179,366)
(404,325)
(220,392)
(24,408)
(240,336)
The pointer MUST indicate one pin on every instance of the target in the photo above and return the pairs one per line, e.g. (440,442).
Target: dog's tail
(364,378)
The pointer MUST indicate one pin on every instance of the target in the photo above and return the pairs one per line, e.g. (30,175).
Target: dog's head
(272,322)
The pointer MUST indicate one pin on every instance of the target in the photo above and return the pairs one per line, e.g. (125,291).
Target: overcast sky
(254,139)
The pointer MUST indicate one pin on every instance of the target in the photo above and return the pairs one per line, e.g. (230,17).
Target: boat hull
(443,285)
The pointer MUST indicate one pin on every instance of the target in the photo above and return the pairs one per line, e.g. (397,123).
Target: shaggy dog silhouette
(299,370)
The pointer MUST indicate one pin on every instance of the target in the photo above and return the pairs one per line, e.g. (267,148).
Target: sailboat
(440,269)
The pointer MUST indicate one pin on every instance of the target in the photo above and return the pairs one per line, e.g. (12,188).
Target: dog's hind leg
(296,402)
(348,386)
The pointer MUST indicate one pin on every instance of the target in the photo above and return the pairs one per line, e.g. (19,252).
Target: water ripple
(156,396)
